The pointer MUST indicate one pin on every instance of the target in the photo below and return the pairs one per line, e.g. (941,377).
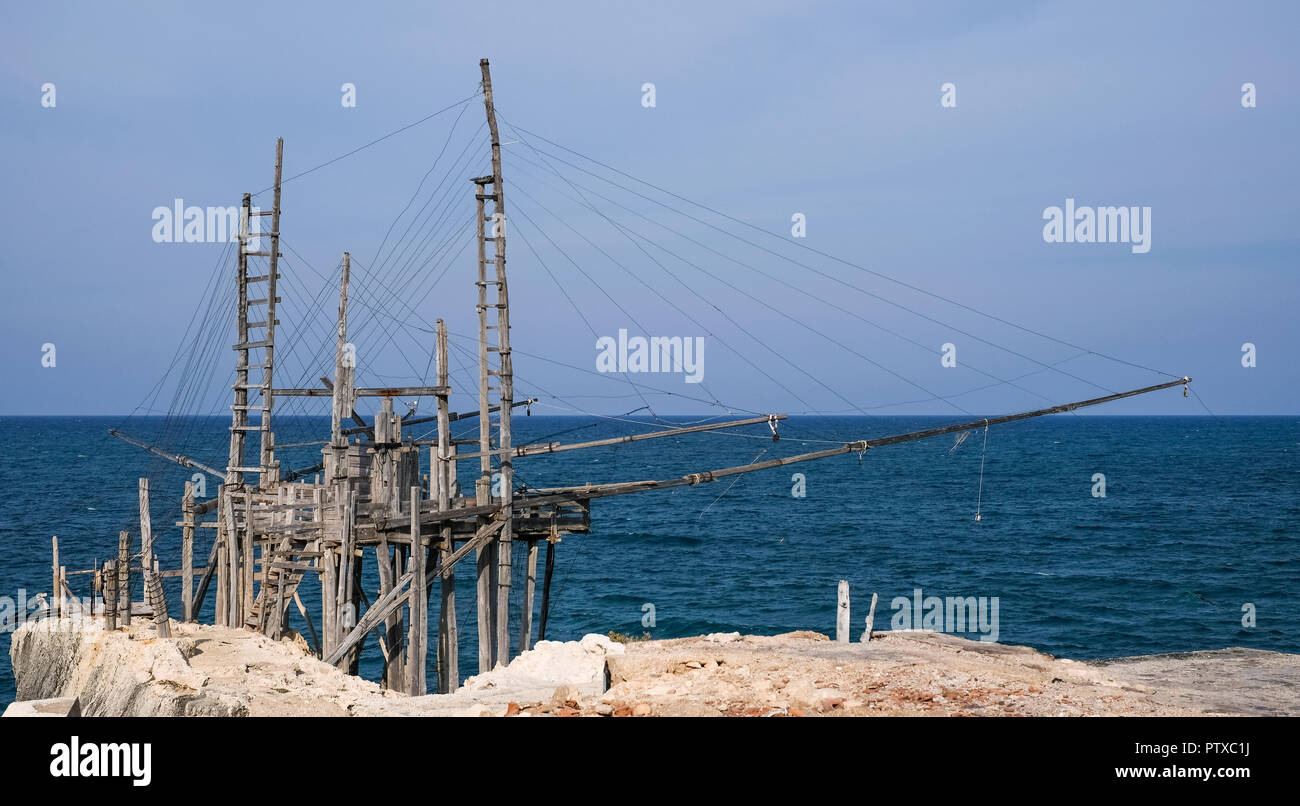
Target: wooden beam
(451,416)
(183,461)
(505,381)
(110,595)
(542,448)
(842,612)
(483,536)
(368,391)
(530,585)
(444,466)
(124,578)
(546,587)
(558,494)
(373,617)
(187,553)
(417,655)
(56,587)
(146,528)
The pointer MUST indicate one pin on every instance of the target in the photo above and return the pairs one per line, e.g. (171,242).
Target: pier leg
(146,530)
(417,656)
(485,558)
(842,613)
(56,590)
(110,595)
(546,589)
(124,578)
(530,585)
(187,553)
(871,620)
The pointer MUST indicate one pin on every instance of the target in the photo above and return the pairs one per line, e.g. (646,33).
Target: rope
(979,499)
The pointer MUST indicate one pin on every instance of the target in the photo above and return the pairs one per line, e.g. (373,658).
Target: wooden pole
(871,620)
(842,613)
(110,595)
(485,557)
(246,566)
(541,448)
(417,655)
(187,553)
(158,601)
(124,578)
(444,467)
(219,563)
(239,410)
(546,586)
(146,529)
(268,475)
(505,376)
(233,594)
(530,585)
(56,588)
(344,375)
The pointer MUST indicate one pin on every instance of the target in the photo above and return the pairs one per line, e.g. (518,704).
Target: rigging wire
(827,255)
(979,498)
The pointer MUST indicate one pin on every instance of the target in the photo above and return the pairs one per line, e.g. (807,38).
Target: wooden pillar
(444,468)
(323,564)
(246,566)
(158,601)
(110,594)
(546,586)
(270,472)
(220,561)
(871,620)
(124,578)
(146,530)
(842,613)
(349,579)
(343,398)
(505,376)
(234,596)
(417,654)
(187,553)
(530,585)
(56,589)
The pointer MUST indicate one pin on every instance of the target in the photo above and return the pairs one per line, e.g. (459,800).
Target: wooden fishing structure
(275,530)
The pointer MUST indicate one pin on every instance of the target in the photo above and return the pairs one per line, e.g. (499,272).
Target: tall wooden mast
(497,622)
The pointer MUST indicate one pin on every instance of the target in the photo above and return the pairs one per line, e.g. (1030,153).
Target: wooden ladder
(255,349)
(283,570)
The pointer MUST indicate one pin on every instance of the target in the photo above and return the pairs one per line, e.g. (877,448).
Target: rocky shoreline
(218,671)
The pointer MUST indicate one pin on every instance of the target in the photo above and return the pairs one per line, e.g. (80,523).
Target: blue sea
(1201,517)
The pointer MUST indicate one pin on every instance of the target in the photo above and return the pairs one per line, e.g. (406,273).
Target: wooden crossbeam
(367,391)
(383,607)
(484,534)
(183,461)
(539,448)
(559,495)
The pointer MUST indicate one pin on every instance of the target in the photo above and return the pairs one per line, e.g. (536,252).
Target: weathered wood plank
(187,553)
(417,655)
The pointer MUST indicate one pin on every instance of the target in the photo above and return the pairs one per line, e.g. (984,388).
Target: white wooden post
(871,620)
(842,613)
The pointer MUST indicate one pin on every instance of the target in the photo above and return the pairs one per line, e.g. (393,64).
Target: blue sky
(762,110)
